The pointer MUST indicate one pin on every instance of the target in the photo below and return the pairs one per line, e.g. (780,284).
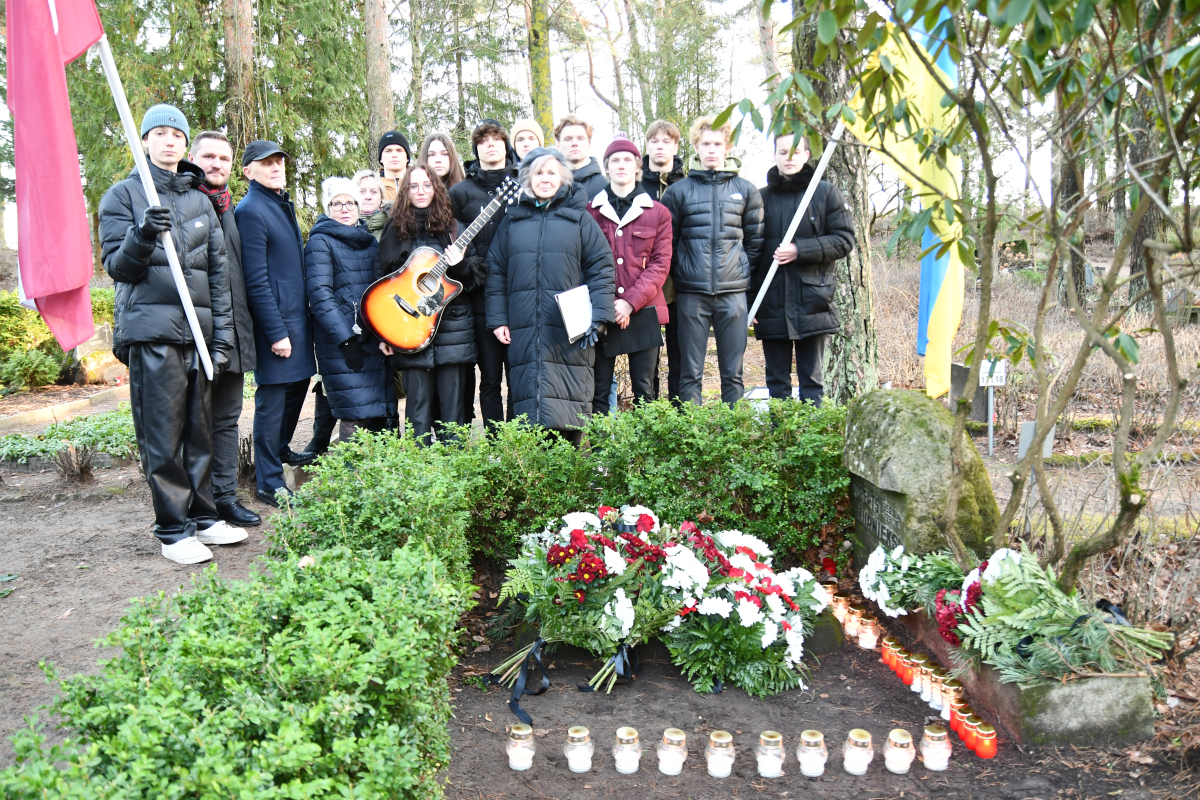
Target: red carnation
(829,565)
(578,539)
(645,523)
(604,511)
(688,527)
(746,551)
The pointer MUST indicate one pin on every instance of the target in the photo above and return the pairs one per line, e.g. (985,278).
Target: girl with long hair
(438,152)
(434,378)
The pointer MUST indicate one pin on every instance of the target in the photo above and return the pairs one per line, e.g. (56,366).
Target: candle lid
(986,730)
(890,641)
(627,735)
(520,731)
(674,736)
(903,653)
(721,739)
(858,609)
(953,685)
(926,669)
(900,738)
(859,738)
(919,659)
(936,733)
(841,598)
(972,720)
(830,586)
(577,733)
(770,738)
(811,738)
(940,675)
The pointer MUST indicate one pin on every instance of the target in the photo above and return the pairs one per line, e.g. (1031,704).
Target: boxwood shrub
(774,470)
(326,681)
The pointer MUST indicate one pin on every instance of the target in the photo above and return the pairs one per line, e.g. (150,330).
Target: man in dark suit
(212,153)
(273,267)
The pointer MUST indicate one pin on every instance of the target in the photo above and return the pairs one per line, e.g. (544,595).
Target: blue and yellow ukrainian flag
(942,279)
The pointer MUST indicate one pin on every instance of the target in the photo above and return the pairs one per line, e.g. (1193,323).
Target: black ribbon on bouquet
(625,664)
(622,527)
(521,687)
(718,685)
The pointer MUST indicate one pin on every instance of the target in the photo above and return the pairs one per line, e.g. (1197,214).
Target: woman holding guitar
(434,377)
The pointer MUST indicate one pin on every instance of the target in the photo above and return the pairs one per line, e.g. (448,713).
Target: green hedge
(328,681)
(23,329)
(108,432)
(772,471)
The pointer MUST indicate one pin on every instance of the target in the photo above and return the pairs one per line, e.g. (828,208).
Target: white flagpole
(139,159)
(791,231)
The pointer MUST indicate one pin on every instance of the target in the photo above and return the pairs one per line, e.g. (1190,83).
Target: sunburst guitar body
(405,308)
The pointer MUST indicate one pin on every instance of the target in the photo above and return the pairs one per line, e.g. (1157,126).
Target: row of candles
(857,753)
(918,671)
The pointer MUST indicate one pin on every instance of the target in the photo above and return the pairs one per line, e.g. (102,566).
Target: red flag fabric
(53,244)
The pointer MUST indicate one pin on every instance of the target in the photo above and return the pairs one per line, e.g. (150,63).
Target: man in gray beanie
(169,393)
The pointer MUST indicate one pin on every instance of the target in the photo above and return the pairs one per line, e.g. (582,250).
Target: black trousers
(671,337)
(643,368)
(276,412)
(810,353)
(323,421)
(725,314)
(492,358)
(171,402)
(435,396)
(227,404)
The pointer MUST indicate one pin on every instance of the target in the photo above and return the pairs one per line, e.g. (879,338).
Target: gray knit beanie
(166,116)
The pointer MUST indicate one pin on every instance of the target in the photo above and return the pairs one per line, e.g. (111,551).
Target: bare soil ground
(45,396)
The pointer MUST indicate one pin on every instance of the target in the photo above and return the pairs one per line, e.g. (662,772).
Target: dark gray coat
(341,262)
(717,221)
(591,179)
(147,303)
(799,302)
(536,254)
(242,358)
(454,342)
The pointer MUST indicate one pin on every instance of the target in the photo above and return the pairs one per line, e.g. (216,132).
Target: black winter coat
(454,342)
(656,183)
(717,221)
(538,253)
(147,303)
(469,197)
(341,262)
(799,302)
(273,266)
(242,358)
(591,179)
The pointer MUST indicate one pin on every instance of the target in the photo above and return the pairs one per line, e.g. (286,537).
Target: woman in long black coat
(435,378)
(341,259)
(543,247)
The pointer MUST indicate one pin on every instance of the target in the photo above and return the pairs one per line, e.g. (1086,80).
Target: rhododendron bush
(613,580)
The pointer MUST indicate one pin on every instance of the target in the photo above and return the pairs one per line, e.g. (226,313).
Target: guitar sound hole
(427,284)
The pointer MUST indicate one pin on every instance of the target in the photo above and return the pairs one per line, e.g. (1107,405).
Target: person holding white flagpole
(798,311)
(170,393)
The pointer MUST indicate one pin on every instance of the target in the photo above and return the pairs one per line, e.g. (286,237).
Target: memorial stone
(898,454)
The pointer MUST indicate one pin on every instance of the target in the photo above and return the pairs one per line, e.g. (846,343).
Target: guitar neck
(474,228)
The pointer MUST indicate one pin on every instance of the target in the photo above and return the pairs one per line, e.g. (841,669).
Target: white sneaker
(186,551)
(221,532)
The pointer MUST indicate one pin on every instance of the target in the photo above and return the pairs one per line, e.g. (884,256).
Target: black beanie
(394,137)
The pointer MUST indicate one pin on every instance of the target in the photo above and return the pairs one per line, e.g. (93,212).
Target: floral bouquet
(898,582)
(593,583)
(738,619)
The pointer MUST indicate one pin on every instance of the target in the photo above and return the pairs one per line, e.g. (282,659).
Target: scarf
(621,205)
(791,184)
(220,198)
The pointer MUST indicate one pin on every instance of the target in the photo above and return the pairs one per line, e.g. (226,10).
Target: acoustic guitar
(404,308)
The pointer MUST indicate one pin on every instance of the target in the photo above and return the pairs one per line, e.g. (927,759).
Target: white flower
(972,577)
(630,514)
(748,613)
(998,563)
(742,561)
(684,571)
(623,611)
(735,539)
(691,601)
(770,634)
(715,605)
(613,561)
(821,595)
(899,551)
(775,604)
(581,519)
(672,625)
(795,643)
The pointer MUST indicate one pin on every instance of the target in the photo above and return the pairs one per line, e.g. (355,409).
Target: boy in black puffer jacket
(169,393)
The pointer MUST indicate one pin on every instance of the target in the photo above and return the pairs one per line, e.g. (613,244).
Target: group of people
(661,250)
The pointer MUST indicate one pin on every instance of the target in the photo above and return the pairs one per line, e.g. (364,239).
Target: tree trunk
(645,86)
(3,236)
(852,356)
(539,64)
(99,268)
(239,73)
(766,41)
(417,84)
(461,125)
(1066,187)
(380,101)
(1143,147)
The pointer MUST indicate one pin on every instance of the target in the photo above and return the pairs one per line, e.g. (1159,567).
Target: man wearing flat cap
(273,266)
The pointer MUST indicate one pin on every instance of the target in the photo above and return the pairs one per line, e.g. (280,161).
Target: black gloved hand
(220,362)
(591,337)
(352,352)
(155,220)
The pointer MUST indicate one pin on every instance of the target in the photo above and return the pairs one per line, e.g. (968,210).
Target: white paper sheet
(576,308)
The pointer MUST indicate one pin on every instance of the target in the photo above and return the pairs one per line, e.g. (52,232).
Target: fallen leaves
(65,614)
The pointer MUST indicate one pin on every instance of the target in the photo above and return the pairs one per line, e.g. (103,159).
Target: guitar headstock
(509,191)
